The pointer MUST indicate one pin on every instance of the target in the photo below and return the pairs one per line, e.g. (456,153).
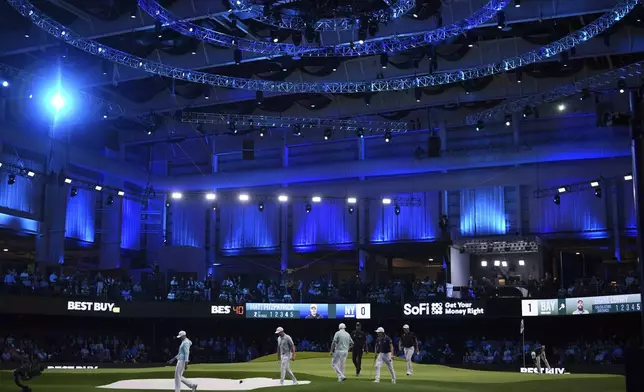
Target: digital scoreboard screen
(308,311)
(625,303)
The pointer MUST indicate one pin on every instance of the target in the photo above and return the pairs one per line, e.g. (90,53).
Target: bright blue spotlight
(5,83)
(58,102)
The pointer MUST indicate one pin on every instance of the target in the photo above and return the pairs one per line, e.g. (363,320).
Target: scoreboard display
(308,311)
(625,303)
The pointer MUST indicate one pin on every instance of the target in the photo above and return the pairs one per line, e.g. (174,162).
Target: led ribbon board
(380,45)
(601,24)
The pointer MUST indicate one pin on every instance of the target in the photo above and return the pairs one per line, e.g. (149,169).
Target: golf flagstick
(523,340)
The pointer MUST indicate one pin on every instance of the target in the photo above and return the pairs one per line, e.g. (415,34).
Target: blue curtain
(24,195)
(244,226)
(418,219)
(328,223)
(187,222)
(80,221)
(628,208)
(131,224)
(578,212)
(483,211)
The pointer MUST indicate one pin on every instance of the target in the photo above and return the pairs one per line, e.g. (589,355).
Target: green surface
(317,369)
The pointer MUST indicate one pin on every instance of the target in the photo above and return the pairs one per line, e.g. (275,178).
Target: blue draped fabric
(187,221)
(244,226)
(417,220)
(579,212)
(80,220)
(131,224)
(24,195)
(483,211)
(628,208)
(328,223)
(21,225)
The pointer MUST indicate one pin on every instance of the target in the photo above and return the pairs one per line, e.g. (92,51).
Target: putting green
(316,368)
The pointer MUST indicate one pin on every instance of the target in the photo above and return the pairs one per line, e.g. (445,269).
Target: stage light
(360,132)
(415,16)
(5,83)
(556,200)
(594,184)
(260,207)
(621,85)
(517,3)
(508,120)
(11,179)
(527,112)
(480,125)
(584,94)
(328,133)
(418,93)
(210,196)
(244,197)
(316,199)
(307,208)
(262,131)
(483,263)
(561,107)
(386,201)
(176,195)
(598,192)
(384,60)
(387,136)
(98,188)
(73,192)
(352,200)
(504,264)
(628,177)
(297,130)
(110,200)
(68,180)
(30,174)
(259,97)
(497,263)
(120,193)
(521,262)
(562,189)
(214,206)
(500,19)
(282,198)
(397,210)
(351,209)
(57,102)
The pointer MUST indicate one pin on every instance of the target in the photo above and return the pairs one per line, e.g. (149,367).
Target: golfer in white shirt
(182,360)
(340,346)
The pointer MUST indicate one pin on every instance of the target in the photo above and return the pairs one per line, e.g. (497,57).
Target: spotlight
(232,127)
(508,120)
(110,200)
(384,60)
(598,192)
(120,193)
(594,184)
(527,112)
(517,3)
(397,210)
(238,56)
(259,96)
(584,94)
(522,262)
(386,201)
(328,133)
(561,107)
(98,188)
(307,208)
(58,102)
(5,83)
(504,263)
(360,132)
(260,207)
(11,179)
(262,131)
(562,189)
(415,16)
(176,195)
(30,173)
(73,192)
(483,263)
(621,85)
(352,200)
(497,263)
(68,180)
(282,198)
(556,200)
(244,197)
(480,125)
(387,136)
(418,93)
(519,74)
(628,177)
(297,130)
(500,19)
(316,199)
(351,209)
(214,206)
(210,196)
(133,14)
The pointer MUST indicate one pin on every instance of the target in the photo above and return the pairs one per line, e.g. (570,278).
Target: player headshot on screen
(580,308)
(313,312)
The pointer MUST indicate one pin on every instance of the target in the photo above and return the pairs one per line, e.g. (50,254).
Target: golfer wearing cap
(340,346)
(384,351)
(285,354)
(182,361)
(408,344)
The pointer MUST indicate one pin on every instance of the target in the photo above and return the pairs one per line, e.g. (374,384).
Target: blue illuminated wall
(131,224)
(21,225)
(80,220)
(578,212)
(482,211)
(244,226)
(24,195)
(328,223)
(187,223)
(418,219)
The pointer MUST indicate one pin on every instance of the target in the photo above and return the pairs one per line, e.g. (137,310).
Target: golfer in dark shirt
(359,347)
(408,344)
(385,352)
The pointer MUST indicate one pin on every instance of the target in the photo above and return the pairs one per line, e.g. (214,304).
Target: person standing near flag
(340,346)
(183,358)
(359,347)
(384,351)
(285,354)
(408,344)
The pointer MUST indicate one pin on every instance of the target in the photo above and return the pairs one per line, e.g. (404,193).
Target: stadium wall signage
(308,311)
(227,309)
(68,367)
(579,306)
(84,306)
(444,308)
(544,371)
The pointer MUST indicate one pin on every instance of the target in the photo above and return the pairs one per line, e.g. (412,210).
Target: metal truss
(25,8)
(600,182)
(522,245)
(396,9)
(390,44)
(592,83)
(291,122)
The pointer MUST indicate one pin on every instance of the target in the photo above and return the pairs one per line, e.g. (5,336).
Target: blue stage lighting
(5,83)
(57,102)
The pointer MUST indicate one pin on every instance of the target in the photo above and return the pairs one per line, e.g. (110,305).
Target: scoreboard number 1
(530,308)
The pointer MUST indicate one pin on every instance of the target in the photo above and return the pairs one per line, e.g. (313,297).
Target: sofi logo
(417,310)
(227,309)
(544,371)
(82,306)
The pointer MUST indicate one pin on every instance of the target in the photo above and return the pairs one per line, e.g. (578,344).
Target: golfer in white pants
(385,351)
(340,346)
(541,356)
(182,360)
(408,344)
(285,354)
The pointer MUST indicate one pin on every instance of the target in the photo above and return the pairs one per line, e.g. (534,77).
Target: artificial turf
(317,369)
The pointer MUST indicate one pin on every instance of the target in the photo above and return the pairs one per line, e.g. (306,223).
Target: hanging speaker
(248,149)
(434,147)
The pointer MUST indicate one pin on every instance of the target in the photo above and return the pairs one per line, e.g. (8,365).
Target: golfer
(340,346)
(359,347)
(182,361)
(408,344)
(385,351)
(285,354)
(540,356)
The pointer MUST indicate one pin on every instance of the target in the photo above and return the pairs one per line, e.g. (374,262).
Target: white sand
(205,384)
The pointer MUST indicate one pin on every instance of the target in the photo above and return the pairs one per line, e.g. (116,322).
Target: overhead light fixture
(68,180)
(244,197)
(360,132)
(561,106)
(282,198)
(500,19)
(328,133)
(352,200)
(351,209)
(562,189)
(211,196)
(397,209)
(386,201)
(497,263)
(260,207)
(517,3)
(556,200)
(384,60)
(387,136)
(5,83)
(176,195)
(120,193)
(11,179)
(73,192)
(483,263)
(522,262)
(594,184)
(30,173)
(297,130)
(98,188)
(480,125)
(628,177)
(598,192)
(316,199)
(307,208)
(621,86)
(504,264)
(508,120)
(110,200)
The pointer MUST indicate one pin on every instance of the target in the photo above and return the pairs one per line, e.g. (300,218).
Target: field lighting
(120,193)
(483,263)
(521,262)
(316,199)
(244,197)
(176,195)
(30,173)
(68,180)
(210,196)
(386,201)
(282,198)
(98,188)
(352,200)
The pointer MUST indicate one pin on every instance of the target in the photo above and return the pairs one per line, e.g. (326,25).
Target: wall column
(363,223)
(50,242)
(211,219)
(442,133)
(612,198)
(460,268)
(285,243)
(154,215)
(519,210)
(110,231)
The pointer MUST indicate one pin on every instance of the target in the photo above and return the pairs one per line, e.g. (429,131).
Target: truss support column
(362,216)
(50,243)
(212,220)
(284,221)
(613,193)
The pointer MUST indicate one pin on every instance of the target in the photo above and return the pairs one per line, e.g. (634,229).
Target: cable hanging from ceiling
(556,94)
(601,24)
(390,44)
(396,9)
